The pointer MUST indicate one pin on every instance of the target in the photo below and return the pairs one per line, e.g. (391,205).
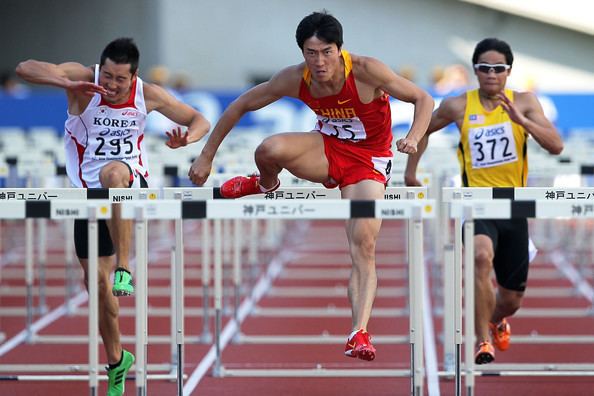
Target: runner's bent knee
(511,299)
(115,174)
(103,287)
(272,148)
(513,305)
(483,259)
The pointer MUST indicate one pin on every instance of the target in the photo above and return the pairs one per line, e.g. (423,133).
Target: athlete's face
(491,82)
(322,59)
(117,79)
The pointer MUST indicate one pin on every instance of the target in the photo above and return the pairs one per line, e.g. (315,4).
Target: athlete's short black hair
(493,44)
(122,51)
(322,25)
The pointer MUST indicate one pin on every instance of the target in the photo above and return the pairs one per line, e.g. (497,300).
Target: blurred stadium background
(210,51)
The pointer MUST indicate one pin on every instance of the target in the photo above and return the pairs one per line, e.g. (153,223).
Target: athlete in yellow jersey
(492,149)
(494,125)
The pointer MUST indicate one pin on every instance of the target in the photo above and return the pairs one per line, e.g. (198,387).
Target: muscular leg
(117,175)
(108,309)
(483,286)
(506,304)
(362,236)
(301,153)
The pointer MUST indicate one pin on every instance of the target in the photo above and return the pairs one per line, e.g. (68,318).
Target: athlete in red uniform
(350,146)
(357,136)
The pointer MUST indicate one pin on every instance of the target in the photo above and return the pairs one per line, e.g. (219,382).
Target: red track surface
(318,253)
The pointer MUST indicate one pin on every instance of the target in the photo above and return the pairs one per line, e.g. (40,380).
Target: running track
(308,299)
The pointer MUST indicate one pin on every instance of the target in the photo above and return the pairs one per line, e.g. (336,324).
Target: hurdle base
(313,372)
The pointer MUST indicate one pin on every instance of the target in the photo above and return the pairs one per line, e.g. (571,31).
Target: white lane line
(11,257)
(430,340)
(42,322)
(569,270)
(261,288)
(54,315)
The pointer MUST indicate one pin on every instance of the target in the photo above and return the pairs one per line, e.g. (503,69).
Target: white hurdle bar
(144,211)
(54,194)
(453,251)
(291,193)
(495,203)
(277,209)
(61,198)
(59,210)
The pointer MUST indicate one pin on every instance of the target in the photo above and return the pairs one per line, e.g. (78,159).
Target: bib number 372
(492,145)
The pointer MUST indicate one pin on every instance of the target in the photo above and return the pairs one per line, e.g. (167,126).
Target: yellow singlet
(492,149)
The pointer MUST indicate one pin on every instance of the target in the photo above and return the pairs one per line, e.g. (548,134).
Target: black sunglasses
(487,68)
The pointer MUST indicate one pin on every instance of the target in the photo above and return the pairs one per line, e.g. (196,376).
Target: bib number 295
(114,146)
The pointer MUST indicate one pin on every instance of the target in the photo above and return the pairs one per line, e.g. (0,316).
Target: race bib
(110,144)
(342,128)
(492,145)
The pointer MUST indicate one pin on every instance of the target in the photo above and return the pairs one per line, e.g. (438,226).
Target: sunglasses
(487,68)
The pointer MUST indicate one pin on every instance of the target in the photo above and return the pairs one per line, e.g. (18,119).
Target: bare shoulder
(525,100)
(287,81)
(153,91)
(453,106)
(369,69)
(156,96)
(365,63)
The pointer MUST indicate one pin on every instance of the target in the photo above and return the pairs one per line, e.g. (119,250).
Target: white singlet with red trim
(104,133)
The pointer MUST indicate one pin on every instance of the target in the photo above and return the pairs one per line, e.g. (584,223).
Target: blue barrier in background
(48,108)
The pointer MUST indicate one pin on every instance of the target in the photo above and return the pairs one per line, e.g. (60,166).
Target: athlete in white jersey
(107,132)
(107,107)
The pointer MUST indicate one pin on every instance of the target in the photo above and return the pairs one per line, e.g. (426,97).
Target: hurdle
(118,195)
(56,194)
(113,195)
(92,211)
(74,196)
(35,194)
(506,203)
(296,194)
(289,193)
(145,210)
(327,209)
(26,166)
